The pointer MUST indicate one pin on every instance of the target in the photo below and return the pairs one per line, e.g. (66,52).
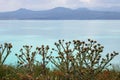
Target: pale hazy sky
(10,5)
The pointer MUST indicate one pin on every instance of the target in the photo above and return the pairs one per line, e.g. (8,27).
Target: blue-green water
(38,32)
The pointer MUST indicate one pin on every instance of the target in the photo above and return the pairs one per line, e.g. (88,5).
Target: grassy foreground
(72,60)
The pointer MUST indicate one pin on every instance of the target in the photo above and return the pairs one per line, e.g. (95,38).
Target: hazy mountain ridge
(59,13)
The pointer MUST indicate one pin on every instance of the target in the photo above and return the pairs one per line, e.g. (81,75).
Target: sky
(11,5)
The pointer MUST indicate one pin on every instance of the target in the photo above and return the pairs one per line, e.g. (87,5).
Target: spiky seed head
(88,39)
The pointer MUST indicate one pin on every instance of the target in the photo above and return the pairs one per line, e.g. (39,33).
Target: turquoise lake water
(38,32)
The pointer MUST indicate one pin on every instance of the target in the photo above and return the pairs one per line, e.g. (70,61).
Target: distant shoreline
(60,13)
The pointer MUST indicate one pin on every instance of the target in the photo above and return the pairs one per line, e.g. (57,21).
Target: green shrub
(8,72)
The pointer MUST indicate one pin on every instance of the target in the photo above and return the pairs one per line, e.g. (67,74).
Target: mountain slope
(59,13)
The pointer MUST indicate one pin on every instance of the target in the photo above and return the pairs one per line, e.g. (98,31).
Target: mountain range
(60,13)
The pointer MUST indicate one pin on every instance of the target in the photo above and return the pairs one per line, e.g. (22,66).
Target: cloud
(9,5)
(38,4)
(108,3)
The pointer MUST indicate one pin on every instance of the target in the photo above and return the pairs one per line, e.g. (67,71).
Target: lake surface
(38,32)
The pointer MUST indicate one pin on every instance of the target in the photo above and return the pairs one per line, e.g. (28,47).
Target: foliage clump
(72,60)
(79,59)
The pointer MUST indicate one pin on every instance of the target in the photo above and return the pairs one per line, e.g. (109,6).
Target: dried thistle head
(5,44)
(38,48)
(47,47)
(9,46)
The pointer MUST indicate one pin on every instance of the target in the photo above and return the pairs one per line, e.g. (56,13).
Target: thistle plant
(43,52)
(5,50)
(89,59)
(26,58)
(65,57)
(80,60)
